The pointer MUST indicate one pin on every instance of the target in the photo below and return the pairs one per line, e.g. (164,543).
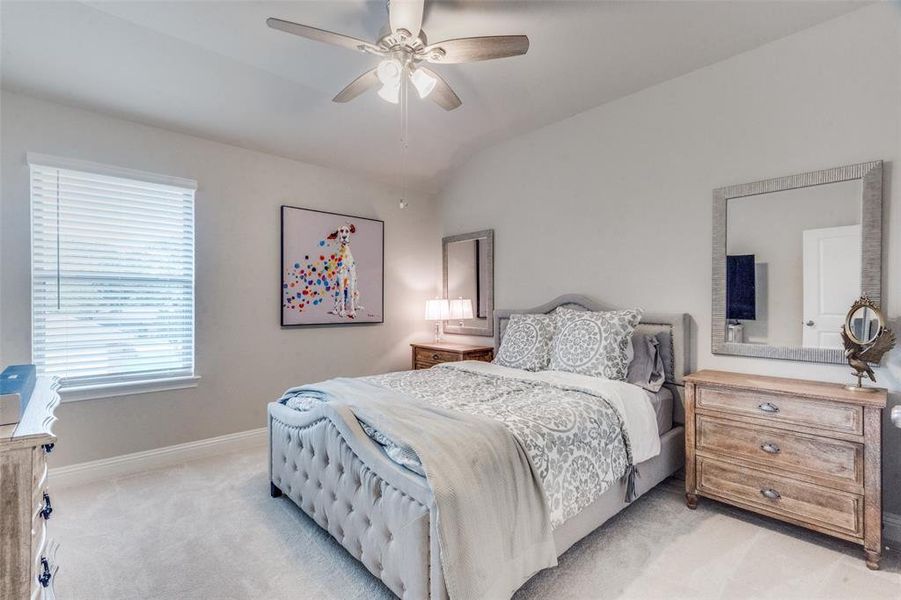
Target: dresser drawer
(815,456)
(779,408)
(785,497)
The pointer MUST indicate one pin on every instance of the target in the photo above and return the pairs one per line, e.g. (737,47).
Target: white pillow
(593,343)
(527,342)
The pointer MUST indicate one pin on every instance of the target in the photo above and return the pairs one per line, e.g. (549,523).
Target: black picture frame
(282,271)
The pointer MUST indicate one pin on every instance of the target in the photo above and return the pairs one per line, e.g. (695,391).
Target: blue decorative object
(16,385)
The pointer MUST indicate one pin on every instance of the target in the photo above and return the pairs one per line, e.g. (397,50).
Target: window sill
(110,390)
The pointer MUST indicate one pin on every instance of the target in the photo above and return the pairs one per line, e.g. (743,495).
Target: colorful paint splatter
(310,282)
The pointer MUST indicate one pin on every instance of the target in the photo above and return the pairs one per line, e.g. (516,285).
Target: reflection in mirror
(465,278)
(864,324)
(468,282)
(793,265)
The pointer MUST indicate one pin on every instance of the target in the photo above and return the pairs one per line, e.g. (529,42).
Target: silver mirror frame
(488,329)
(870,174)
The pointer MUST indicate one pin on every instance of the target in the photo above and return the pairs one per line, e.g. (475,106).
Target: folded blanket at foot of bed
(494,528)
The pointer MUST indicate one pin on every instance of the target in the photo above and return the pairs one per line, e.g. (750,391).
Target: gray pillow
(646,369)
(527,342)
(593,343)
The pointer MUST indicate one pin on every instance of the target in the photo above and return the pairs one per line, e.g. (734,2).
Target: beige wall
(244,358)
(616,202)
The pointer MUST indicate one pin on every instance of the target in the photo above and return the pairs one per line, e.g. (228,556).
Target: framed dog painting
(332,268)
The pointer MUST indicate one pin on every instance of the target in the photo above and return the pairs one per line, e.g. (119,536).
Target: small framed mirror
(863,324)
(789,256)
(469,282)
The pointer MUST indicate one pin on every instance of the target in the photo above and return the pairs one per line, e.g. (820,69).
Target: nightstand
(429,355)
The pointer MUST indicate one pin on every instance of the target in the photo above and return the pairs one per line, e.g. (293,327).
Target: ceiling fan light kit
(390,72)
(403,48)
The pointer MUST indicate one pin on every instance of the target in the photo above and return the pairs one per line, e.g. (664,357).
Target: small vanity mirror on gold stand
(866,339)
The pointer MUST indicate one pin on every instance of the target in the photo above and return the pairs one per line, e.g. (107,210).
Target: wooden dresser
(429,355)
(26,556)
(805,452)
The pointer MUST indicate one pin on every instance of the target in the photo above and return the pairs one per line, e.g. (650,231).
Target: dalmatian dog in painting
(347,299)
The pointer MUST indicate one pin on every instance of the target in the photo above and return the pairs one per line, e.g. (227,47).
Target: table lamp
(437,309)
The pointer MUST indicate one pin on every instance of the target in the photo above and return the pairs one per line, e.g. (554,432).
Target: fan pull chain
(404,141)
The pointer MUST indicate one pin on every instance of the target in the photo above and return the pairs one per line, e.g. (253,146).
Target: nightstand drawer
(779,408)
(782,496)
(426,355)
(815,456)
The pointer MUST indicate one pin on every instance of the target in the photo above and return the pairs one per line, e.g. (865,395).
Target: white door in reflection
(831,258)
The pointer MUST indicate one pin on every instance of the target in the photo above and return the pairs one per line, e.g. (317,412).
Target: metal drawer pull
(434,357)
(47,510)
(770,448)
(768,407)
(44,577)
(771,494)
(48,448)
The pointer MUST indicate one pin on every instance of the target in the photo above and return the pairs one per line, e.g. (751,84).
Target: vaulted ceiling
(215,70)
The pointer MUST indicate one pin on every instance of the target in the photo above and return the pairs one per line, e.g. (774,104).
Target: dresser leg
(691,501)
(873,559)
(274,491)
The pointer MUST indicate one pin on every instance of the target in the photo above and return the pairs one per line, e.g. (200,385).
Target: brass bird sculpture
(860,356)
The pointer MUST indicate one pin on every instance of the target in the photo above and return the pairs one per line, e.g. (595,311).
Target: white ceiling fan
(404,48)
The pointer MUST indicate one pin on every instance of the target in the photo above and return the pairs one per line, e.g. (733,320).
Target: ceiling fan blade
(442,95)
(321,35)
(406,14)
(367,80)
(472,49)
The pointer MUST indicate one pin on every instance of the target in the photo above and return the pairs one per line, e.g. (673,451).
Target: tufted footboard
(380,512)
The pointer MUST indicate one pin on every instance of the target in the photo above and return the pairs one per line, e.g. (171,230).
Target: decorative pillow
(527,342)
(593,343)
(646,368)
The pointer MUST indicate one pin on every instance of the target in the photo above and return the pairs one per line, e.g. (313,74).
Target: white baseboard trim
(128,464)
(892,529)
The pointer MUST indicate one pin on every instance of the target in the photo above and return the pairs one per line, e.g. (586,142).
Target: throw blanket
(494,529)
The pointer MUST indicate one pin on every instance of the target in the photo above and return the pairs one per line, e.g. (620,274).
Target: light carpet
(209,530)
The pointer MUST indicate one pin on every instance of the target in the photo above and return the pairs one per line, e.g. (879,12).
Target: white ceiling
(213,68)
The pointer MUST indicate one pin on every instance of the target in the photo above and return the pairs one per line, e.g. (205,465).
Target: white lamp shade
(423,82)
(389,71)
(437,310)
(461,308)
(390,92)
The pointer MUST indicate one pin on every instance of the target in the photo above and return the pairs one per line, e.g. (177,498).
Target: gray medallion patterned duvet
(575,438)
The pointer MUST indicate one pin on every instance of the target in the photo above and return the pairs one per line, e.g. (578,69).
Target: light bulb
(390,92)
(389,71)
(423,82)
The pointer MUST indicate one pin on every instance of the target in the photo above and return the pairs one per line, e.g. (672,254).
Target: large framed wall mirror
(790,256)
(469,280)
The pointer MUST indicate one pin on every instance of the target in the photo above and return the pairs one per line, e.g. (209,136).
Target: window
(112,274)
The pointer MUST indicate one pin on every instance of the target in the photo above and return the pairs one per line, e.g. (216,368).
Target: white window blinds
(112,273)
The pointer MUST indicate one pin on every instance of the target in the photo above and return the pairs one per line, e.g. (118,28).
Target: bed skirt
(382,513)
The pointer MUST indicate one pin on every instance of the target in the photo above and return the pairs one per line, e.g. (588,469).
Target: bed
(384,513)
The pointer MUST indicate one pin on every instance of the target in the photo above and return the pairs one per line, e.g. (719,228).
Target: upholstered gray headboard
(673,326)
